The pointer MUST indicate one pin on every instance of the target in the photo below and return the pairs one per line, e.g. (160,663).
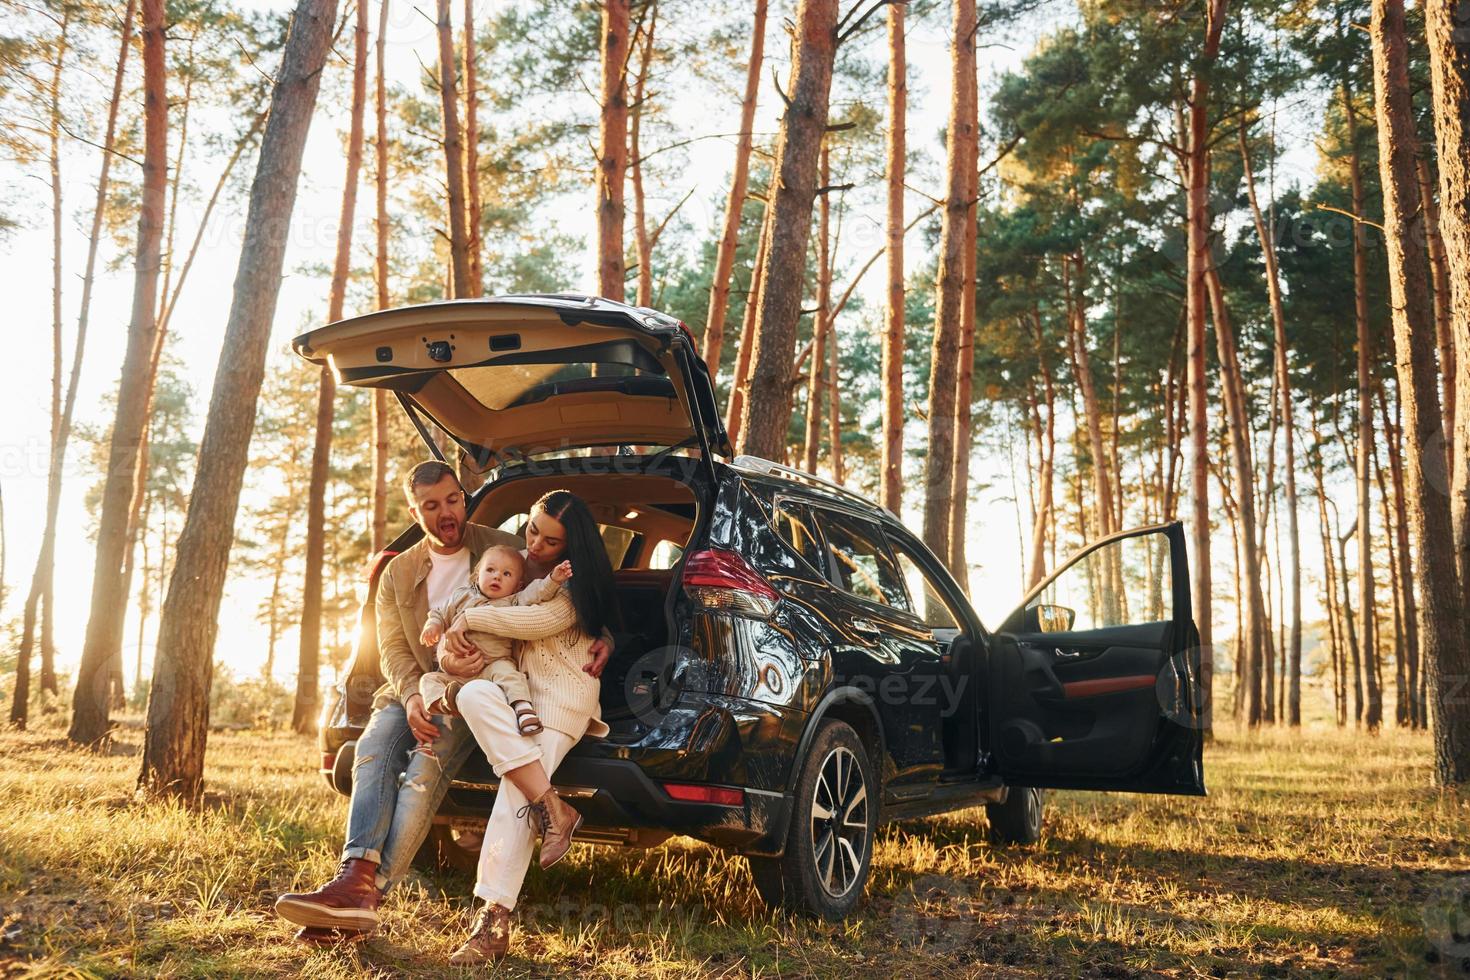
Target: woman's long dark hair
(593,595)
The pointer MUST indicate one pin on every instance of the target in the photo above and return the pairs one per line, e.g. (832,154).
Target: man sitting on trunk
(396,791)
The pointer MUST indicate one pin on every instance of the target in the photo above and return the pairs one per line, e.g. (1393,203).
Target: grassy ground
(1319,855)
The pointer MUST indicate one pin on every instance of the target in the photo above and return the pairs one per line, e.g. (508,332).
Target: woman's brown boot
(556,821)
(489,937)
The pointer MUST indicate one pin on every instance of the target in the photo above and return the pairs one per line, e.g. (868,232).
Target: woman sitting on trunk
(554,641)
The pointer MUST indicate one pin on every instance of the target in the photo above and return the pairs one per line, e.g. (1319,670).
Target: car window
(1127,582)
(793,523)
(928,598)
(666,554)
(861,560)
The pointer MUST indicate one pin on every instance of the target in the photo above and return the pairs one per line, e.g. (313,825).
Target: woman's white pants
(509,840)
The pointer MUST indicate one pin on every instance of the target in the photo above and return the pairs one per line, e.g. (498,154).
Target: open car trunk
(646,522)
(513,377)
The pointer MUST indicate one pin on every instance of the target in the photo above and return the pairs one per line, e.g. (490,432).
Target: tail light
(697,793)
(722,580)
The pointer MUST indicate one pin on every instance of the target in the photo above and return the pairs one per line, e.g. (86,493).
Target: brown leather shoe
(556,822)
(329,938)
(348,901)
(489,937)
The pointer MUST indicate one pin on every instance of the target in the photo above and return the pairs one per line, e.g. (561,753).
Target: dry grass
(1319,855)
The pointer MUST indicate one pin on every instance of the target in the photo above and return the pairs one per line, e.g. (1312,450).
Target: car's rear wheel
(1018,820)
(829,848)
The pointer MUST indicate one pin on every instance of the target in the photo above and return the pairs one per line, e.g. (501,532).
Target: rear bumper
(618,783)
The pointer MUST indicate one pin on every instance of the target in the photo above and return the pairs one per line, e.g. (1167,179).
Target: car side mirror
(1052,618)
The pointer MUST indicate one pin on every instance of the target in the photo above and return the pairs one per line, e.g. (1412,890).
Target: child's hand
(561,572)
(432,634)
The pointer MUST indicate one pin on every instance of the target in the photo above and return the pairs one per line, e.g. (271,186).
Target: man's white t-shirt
(446,573)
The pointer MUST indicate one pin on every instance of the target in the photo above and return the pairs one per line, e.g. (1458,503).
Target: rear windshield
(501,386)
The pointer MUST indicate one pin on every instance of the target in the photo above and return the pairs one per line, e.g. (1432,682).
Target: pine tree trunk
(1449,59)
(642,239)
(740,383)
(1440,276)
(474,210)
(965,376)
(1372,711)
(948,309)
(719,293)
(380,281)
(1198,226)
(767,407)
(612,153)
(41,583)
(1266,233)
(1395,580)
(459,250)
(1409,710)
(891,454)
(1046,444)
(1253,627)
(1441,610)
(821,324)
(304,712)
(89,723)
(63,42)
(178,704)
(1076,281)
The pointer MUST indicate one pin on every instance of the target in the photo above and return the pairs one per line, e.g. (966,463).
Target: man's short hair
(427,474)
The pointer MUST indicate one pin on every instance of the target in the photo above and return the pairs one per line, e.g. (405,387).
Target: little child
(496,582)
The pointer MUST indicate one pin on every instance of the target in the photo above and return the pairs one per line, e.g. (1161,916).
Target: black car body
(793,665)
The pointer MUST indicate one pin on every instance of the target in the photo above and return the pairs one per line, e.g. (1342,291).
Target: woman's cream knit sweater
(553,650)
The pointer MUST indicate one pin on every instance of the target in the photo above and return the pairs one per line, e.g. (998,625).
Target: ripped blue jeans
(396,791)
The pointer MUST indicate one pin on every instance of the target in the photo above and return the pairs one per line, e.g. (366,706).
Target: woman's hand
(462,666)
(455,641)
(601,650)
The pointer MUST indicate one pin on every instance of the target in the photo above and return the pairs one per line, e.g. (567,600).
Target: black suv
(793,664)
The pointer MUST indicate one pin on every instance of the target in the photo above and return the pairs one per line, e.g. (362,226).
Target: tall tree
(474,209)
(963,130)
(41,581)
(891,457)
(380,281)
(767,408)
(178,704)
(719,291)
(63,44)
(1197,222)
(612,150)
(454,175)
(89,723)
(740,382)
(964,436)
(303,714)
(1266,235)
(822,322)
(1446,660)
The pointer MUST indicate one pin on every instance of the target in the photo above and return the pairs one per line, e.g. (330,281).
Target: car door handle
(865,629)
(1062,654)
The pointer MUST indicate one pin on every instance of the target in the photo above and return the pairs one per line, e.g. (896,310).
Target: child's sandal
(527,720)
(450,700)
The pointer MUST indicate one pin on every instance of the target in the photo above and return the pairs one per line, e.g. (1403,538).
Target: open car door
(1095,681)
(512,377)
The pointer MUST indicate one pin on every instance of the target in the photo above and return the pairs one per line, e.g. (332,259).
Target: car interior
(645,521)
